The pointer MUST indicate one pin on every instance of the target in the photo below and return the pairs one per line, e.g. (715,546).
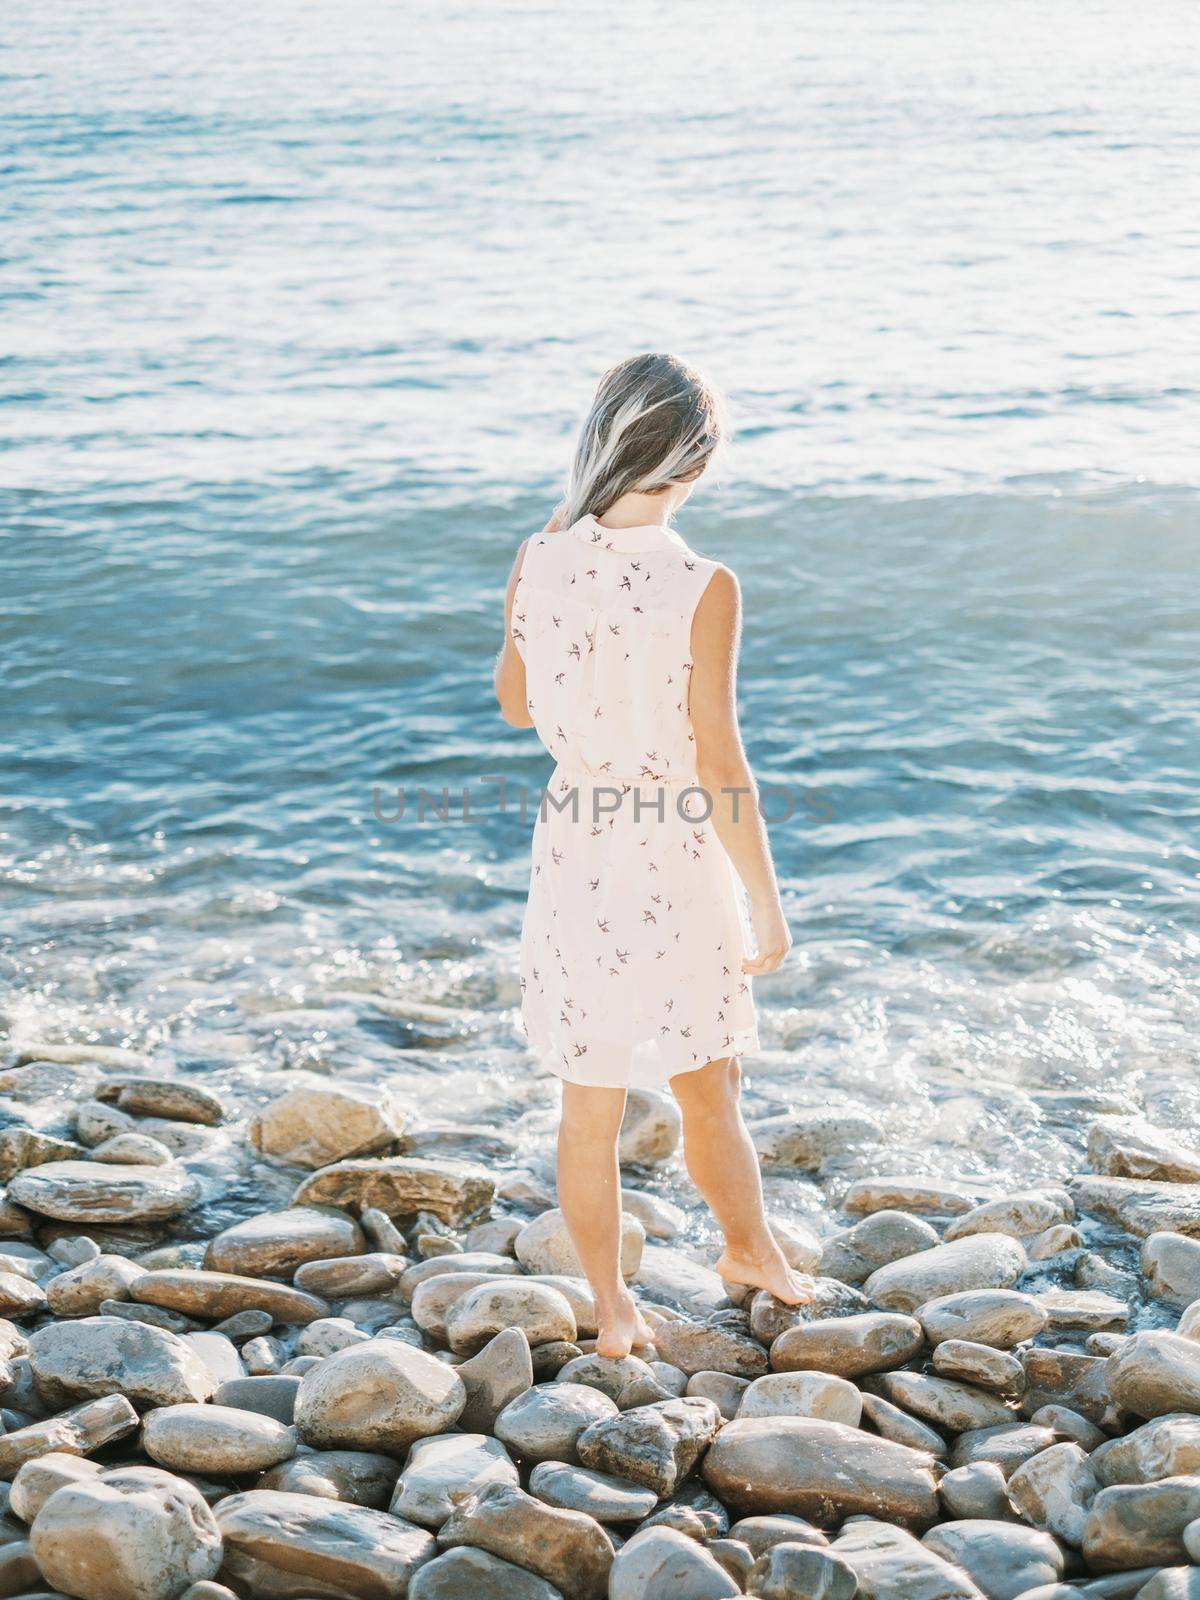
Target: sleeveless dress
(637,923)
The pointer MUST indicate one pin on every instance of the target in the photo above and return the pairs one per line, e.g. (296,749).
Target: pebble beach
(384,1384)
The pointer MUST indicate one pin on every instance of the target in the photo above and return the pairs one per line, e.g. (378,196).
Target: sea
(301,306)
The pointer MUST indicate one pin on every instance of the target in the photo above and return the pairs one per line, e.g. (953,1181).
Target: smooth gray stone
(662,1562)
(1004,1558)
(891,1564)
(466,1574)
(599,1494)
(762,1533)
(788,1571)
(977,1490)
(1141,1524)
(545,1423)
(271,1396)
(441,1470)
(359,1477)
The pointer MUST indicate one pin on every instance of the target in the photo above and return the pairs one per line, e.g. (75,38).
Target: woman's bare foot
(771,1273)
(622,1328)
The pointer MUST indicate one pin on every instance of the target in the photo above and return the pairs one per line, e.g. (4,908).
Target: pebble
(295,1545)
(432,1300)
(274,1243)
(567,1548)
(612,1375)
(381,1395)
(133,1150)
(979,1364)
(656,1446)
(1132,1147)
(216,1440)
(1017,1215)
(1167,1447)
(18,1297)
(957,1407)
(1171,1262)
(213,1295)
(544,1245)
(541,1312)
(1002,1318)
(670,1278)
(466,1574)
(879,1239)
(891,1422)
(979,1261)
(891,1564)
(162,1097)
(1141,1524)
(77,1431)
(1003,1558)
(37,1480)
(1088,1309)
(769,1317)
(104,1356)
(1054,1489)
(459,1265)
(697,1347)
(134,1534)
(496,1236)
(724,1390)
(545,1422)
(661,1561)
(1069,1424)
(923,1195)
(806,1138)
(787,1571)
(602,1496)
(315,1127)
(1006,1446)
(80,1290)
(803,1394)
(850,1347)
(1156,1373)
(441,1470)
(1055,1241)
(271,1395)
(1138,1205)
(762,1533)
(28,1147)
(343,1276)
(651,1129)
(819,1470)
(401,1186)
(96,1191)
(1065,1377)
(359,1477)
(1172,1583)
(660,1218)
(976,1490)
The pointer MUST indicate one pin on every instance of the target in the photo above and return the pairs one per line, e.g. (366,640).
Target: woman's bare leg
(589,1192)
(723,1164)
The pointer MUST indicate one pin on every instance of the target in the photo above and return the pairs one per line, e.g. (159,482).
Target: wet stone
(100,1356)
(977,1490)
(1167,1447)
(1007,1446)
(500,1372)
(1141,1525)
(1053,1491)
(762,1533)
(884,1236)
(1001,1318)
(162,1097)
(273,1396)
(567,1548)
(545,1422)
(694,1347)
(893,1422)
(316,1126)
(466,1574)
(979,1364)
(1156,1373)
(651,1129)
(274,1243)
(803,1394)
(359,1477)
(656,1446)
(441,1470)
(922,1195)
(979,1261)
(401,1186)
(956,1407)
(790,1570)
(381,1395)
(891,1563)
(848,1347)
(346,1276)
(1004,1559)
(214,1440)
(662,1561)
(599,1494)
(541,1312)
(1018,1215)
(215,1295)
(724,1390)
(93,1191)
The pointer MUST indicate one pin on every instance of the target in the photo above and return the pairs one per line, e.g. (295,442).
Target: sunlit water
(301,303)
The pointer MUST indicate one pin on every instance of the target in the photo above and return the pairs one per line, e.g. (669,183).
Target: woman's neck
(638,511)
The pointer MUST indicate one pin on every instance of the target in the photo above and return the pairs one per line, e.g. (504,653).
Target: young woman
(621,650)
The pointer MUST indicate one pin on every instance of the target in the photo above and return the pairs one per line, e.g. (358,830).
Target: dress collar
(646,536)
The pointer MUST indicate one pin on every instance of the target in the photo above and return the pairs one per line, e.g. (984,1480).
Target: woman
(621,649)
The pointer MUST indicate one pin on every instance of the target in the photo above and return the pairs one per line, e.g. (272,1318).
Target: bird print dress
(637,923)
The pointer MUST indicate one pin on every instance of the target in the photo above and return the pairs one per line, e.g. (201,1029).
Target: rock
(661,1562)
(1001,1318)
(105,1356)
(655,1445)
(401,1186)
(1006,1446)
(880,1238)
(466,1574)
(599,1494)
(890,1422)
(94,1191)
(37,1480)
(1189,1323)
(134,1534)
(108,1056)
(957,1407)
(433,1299)
(981,1261)
(734,1557)
(359,1477)
(344,1277)
(612,1375)
(872,1341)
(545,1422)
(800,1245)
(274,1243)
(769,1317)
(1054,1241)
(760,1534)
(1063,1377)
(822,1470)
(1140,1206)
(79,1291)
(803,1394)
(976,1490)
(1167,1447)
(788,1570)
(1089,1309)
(806,1138)
(315,1127)
(1156,1373)
(1004,1559)
(133,1150)
(162,1097)
(567,1548)
(924,1195)
(696,1347)
(285,1545)
(892,1565)
(651,1129)
(41,1080)
(213,1295)
(1017,1215)
(1068,1424)
(1132,1147)
(724,1391)
(18,1297)
(1054,1491)
(1171,1261)
(498,1234)
(544,1245)
(217,1441)
(669,1278)
(979,1364)
(28,1147)
(542,1313)
(460,1264)
(500,1372)
(272,1395)
(1140,1524)
(444,1469)
(381,1395)
(78,1431)
(1172,1583)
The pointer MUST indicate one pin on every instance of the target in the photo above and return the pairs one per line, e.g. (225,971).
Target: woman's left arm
(509,676)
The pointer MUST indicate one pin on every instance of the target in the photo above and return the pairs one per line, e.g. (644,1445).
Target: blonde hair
(654,422)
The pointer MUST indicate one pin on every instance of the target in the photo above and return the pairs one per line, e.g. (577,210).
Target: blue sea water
(301,305)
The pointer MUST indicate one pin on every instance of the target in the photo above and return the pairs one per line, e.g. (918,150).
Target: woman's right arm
(723,769)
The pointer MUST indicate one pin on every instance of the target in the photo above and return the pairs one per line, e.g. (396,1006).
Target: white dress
(637,923)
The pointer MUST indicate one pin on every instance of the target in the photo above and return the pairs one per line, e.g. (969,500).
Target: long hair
(654,422)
